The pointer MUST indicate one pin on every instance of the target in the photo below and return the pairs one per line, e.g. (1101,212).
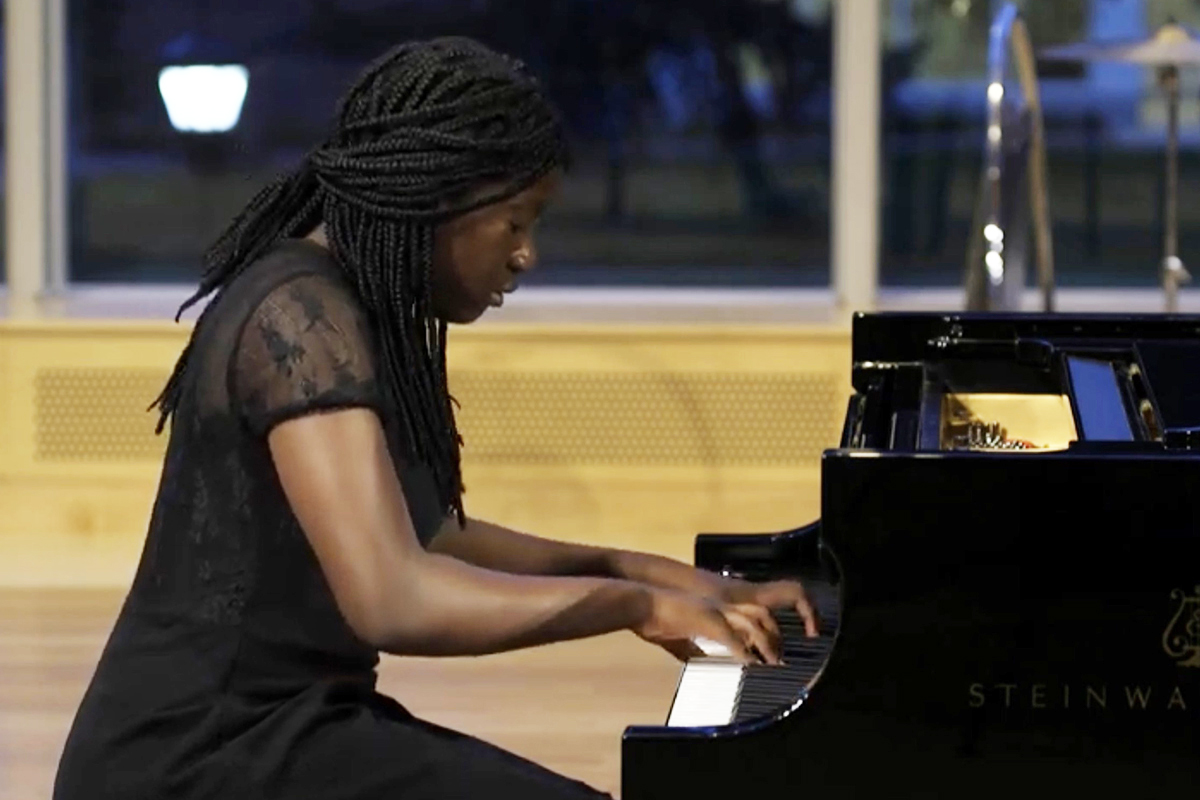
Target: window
(3,193)
(1105,128)
(701,130)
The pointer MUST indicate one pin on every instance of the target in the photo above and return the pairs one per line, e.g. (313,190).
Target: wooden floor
(563,706)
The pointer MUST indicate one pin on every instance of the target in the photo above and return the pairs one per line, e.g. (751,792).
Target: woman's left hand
(667,573)
(774,594)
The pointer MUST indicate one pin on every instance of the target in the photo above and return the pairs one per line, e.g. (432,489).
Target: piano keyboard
(716,690)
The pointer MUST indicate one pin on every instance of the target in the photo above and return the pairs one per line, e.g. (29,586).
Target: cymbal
(1171,45)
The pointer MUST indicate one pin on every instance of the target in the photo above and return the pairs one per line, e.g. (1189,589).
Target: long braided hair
(423,129)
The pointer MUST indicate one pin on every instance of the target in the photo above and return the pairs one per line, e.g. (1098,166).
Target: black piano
(1007,566)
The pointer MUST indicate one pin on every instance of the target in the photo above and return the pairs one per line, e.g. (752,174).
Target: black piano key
(804,656)
(807,650)
(767,689)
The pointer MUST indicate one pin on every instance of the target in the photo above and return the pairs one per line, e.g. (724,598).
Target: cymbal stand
(1173,271)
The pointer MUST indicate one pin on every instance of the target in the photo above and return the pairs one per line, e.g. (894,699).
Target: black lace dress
(230,672)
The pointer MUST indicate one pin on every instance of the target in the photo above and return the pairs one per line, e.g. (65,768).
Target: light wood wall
(634,436)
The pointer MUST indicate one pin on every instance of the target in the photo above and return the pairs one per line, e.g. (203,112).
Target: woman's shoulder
(298,284)
(297,272)
(294,295)
(304,341)
(288,260)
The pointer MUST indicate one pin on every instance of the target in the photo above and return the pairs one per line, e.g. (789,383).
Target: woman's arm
(492,546)
(495,547)
(339,480)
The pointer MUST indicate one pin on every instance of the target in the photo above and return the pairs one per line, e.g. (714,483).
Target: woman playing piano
(310,514)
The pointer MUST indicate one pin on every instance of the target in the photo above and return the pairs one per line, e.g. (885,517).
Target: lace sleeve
(305,348)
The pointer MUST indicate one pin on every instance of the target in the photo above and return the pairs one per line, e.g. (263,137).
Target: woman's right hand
(677,619)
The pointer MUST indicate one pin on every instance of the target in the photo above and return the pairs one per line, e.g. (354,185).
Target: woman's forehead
(533,197)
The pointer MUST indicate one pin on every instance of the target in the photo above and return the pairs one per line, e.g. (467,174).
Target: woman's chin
(463,315)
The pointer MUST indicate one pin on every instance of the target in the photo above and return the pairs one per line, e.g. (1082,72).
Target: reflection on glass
(204,98)
(700,130)
(1105,136)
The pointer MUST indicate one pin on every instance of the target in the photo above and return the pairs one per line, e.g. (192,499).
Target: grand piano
(1007,566)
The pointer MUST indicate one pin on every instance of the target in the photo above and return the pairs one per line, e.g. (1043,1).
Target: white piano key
(706,694)
(716,690)
(711,648)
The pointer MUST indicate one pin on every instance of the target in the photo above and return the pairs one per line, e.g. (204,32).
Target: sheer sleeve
(305,348)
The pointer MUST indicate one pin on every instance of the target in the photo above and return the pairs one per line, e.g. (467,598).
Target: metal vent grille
(686,419)
(97,414)
(669,418)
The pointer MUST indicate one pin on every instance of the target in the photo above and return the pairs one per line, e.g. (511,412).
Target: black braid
(425,126)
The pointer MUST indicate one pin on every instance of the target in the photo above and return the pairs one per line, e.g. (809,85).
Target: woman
(310,514)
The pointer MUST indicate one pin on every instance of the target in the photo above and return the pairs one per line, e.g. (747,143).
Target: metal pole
(856,134)
(35,156)
(25,153)
(55,154)
(996,279)
(1173,271)
(1035,168)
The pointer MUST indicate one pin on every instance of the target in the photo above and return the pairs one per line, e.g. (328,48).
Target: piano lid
(902,337)
(1131,380)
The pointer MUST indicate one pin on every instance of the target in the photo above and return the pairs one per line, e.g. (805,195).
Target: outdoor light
(204,98)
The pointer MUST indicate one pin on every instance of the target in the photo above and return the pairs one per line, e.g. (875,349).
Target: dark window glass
(1105,128)
(701,130)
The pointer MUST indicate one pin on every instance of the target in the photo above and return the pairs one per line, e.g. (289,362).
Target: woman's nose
(525,258)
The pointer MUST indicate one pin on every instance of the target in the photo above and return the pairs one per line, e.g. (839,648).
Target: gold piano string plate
(1017,423)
